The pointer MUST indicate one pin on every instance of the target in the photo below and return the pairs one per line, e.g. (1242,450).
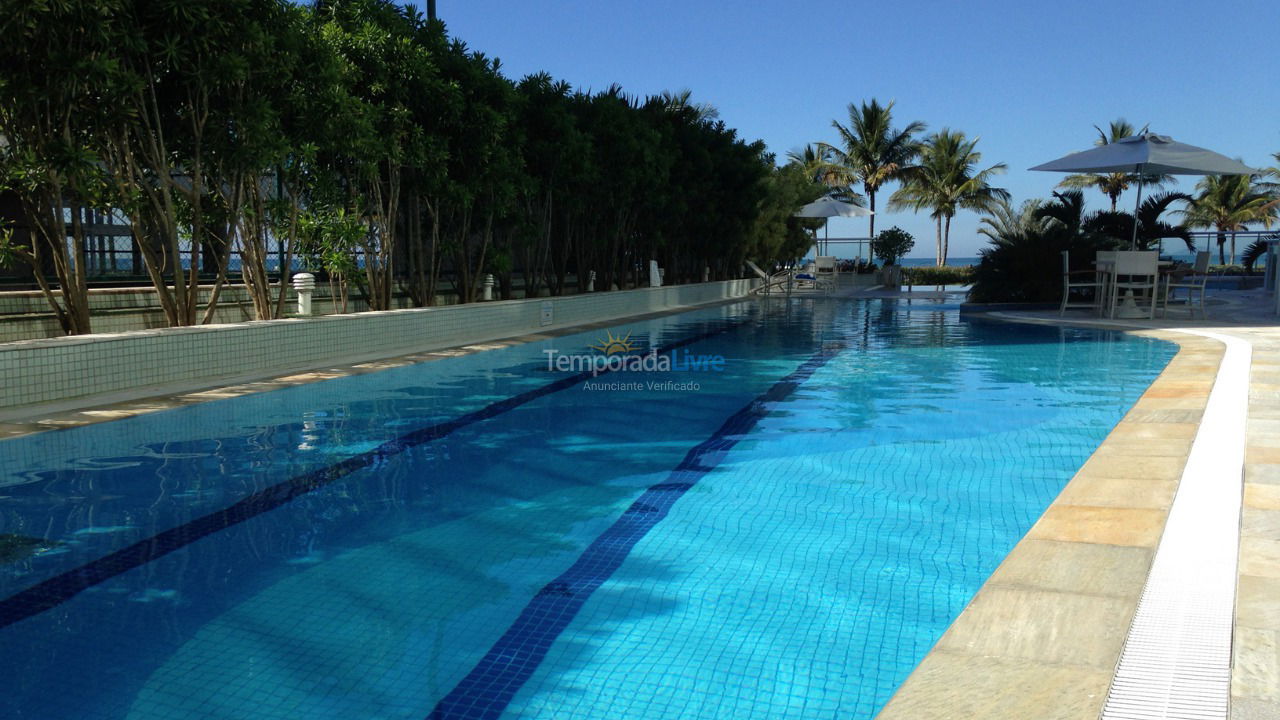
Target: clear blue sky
(1030,78)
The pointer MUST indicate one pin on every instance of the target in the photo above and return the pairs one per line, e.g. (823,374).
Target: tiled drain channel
(1176,661)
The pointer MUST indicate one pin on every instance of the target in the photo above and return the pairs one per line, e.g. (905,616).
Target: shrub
(1024,261)
(892,244)
(945,275)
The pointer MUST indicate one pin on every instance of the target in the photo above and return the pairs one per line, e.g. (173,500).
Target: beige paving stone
(1044,626)
(1159,391)
(1253,709)
(1256,661)
(1165,416)
(1129,430)
(1095,491)
(1261,474)
(1258,602)
(1260,556)
(1263,427)
(1145,447)
(1166,403)
(1257,412)
(1103,525)
(1262,496)
(1112,570)
(1259,454)
(1260,522)
(1261,440)
(1113,465)
(958,686)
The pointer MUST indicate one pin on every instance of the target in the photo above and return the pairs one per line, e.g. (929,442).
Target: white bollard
(304,284)
(488,287)
(706,274)
(591,281)
(655,277)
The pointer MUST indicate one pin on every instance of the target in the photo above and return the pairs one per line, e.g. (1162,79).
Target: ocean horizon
(963,261)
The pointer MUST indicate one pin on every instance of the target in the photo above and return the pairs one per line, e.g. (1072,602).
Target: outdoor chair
(826,266)
(812,276)
(1136,274)
(1078,280)
(1193,283)
(1102,262)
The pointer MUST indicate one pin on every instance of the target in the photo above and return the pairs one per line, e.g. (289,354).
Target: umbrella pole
(1133,241)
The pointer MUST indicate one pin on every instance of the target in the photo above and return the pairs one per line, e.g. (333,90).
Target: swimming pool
(780,525)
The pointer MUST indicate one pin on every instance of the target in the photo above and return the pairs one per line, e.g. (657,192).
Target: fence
(1234,247)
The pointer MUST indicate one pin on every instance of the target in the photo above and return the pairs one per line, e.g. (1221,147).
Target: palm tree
(1004,222)
(1107,228)
(872,151)
(946,182)
(1226,203)
(1113,184)
(683,100)
(1151,229)
(1272,186)
(815,161)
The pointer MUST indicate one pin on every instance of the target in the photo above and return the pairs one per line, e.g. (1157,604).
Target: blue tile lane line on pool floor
(60,588)
(487,690)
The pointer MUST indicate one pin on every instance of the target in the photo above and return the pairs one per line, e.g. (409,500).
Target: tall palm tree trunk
(946,241)
(871,200)
(937,243)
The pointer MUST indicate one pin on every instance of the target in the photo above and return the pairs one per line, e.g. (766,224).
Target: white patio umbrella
(1147,154)
(829,207)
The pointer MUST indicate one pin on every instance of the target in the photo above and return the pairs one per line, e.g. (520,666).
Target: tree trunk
(871,200)
(937,243)
(946,241)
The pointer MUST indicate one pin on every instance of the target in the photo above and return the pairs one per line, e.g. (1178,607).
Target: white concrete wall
(57,369)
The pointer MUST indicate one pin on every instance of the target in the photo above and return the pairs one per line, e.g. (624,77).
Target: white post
(706,274)
(488,287)
(655,275)
(591,281)
(304,284)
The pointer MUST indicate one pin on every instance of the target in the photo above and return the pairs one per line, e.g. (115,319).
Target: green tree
(1003,221)
(776,234)
(1272,176)
(870,151)
(947,180)
(1114,184)
(1227,203)
(58,82)
(892,244)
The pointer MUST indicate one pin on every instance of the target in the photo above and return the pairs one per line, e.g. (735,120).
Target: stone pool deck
(1043,637)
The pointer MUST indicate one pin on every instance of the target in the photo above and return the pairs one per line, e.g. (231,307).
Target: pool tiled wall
(56,369)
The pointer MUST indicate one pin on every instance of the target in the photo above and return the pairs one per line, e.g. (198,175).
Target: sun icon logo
(611,345)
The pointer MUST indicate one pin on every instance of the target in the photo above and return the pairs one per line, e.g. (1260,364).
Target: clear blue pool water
(481,536)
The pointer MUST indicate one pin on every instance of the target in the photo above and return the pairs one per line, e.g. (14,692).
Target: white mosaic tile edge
(57,369)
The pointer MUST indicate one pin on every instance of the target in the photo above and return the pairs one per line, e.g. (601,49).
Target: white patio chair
(1194,284)
(1102,262)
(1136,273)
(1078,280)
